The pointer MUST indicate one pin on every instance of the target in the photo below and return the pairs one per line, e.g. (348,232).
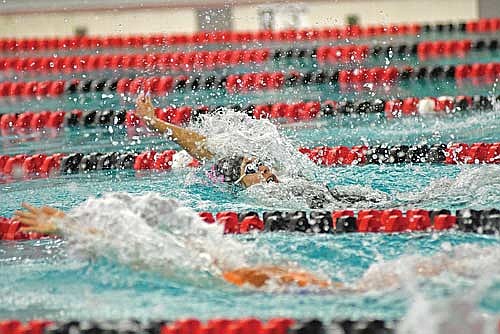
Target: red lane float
(151,160)
(30,121)
(443,49)
(9,230)
(342,53)
(23,165)
(235,37)
(181,326)
(41,165)
(194,60)
(338,221)
(242,83)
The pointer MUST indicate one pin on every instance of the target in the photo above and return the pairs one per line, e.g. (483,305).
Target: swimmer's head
(254,172)
(244,171)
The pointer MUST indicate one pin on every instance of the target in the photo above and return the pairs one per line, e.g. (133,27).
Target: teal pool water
(47,279)
(44,279)
(40,280)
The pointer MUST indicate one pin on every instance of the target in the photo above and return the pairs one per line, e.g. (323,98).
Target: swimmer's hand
(39,220)
(261,276)
(145,108)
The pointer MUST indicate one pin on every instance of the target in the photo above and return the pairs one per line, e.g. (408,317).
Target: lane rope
(43,165)
(209,60)
(482,26)
(343,79)
(32,121)
(329,222)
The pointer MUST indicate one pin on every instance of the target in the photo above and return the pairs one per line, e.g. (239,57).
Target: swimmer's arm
(259,277)
(191,141)
(42,220)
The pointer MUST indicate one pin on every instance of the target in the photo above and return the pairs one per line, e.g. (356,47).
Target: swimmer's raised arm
(42,220)
(191,141)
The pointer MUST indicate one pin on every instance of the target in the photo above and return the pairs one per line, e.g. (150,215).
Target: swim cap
(229,168)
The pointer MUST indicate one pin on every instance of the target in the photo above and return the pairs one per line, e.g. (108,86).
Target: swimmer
(199,239)
(51,221)
(240,170)
(248,172)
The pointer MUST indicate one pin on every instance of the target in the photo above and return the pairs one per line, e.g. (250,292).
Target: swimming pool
(45,279)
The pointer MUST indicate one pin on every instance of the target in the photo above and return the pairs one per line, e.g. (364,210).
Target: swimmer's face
(262,174)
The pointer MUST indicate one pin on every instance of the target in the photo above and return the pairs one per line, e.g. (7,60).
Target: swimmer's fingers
(141,103)
(30,208)
(25,220)
(25,214)
(50,211)
(27,229)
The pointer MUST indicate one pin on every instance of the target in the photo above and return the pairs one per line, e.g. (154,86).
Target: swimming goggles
(253,167)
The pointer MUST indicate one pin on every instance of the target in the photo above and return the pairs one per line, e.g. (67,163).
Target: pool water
(42,279)
(43,282)
(45,279)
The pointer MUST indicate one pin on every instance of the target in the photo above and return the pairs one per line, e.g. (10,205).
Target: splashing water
(150,232)
(468,261)
(458,314)
(153,232)
(479,185)
(231,133)
(293,193)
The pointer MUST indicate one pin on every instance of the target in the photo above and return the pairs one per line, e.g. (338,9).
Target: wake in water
(478,266)
(470,262)
(293,193)
(477,186)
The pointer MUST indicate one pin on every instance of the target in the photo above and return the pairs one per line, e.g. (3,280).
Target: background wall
(61,17)
(329,13)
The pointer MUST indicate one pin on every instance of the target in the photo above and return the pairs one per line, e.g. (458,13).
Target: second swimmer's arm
(42,220)
(260,276)
(191,141)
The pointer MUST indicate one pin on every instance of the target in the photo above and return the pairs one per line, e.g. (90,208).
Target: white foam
(459,314)
(181,159)
(152,232)
(474,185)
(426,106)
(471,266)
(232,133)
(469,261)
(292,193)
